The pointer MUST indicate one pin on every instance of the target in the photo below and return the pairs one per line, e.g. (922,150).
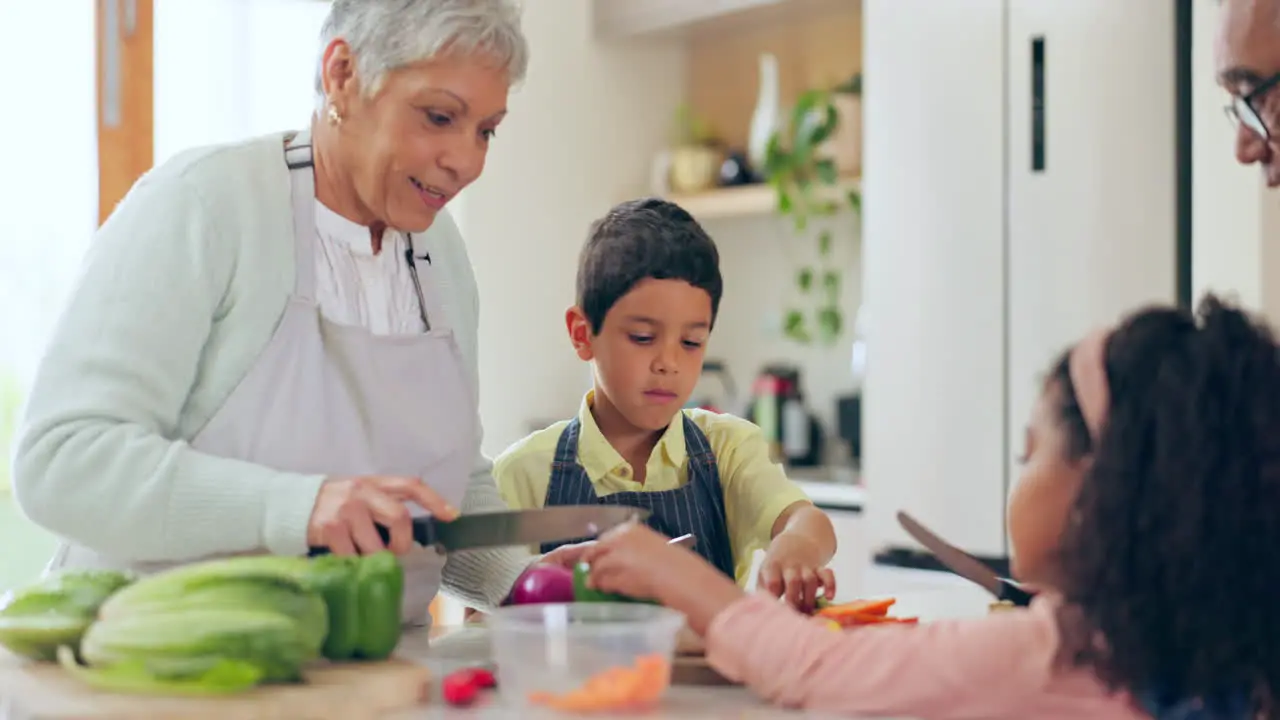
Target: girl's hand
(567,556)
(634,560)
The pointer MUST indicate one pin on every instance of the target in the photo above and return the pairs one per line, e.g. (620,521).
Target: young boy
(648,291)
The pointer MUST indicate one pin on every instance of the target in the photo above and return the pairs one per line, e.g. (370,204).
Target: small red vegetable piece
(460,688)
(484,678)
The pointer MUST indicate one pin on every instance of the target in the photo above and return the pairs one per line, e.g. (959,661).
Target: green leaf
(777,161)
(827,127)
(804,279)
(830,322)
(826,171)
(824,243)
(855,200)
(831,283)
(805,125)
(226,677)
(784,201)
(793,327)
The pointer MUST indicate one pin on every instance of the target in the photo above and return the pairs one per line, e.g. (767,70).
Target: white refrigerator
(1020,186)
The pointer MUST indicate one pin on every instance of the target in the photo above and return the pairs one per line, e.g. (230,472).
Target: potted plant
(695,153)
(808,186)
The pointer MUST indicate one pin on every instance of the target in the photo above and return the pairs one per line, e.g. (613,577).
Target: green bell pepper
(334,578)
(584,593)
(363,596)
(380,588)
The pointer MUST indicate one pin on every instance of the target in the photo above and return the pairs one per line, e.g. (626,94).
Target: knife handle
(1014,593)
(421,532)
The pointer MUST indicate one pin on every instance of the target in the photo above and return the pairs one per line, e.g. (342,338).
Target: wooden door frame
(126,134)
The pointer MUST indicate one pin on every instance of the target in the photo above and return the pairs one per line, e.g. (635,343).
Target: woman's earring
(334,117)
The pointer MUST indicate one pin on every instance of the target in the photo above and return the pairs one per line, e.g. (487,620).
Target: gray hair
(386,35)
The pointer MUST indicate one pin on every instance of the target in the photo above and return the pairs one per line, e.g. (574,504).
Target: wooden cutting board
(694,670)
(42,691)
(690,666)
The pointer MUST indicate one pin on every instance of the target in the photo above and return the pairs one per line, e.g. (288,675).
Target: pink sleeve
(968,668)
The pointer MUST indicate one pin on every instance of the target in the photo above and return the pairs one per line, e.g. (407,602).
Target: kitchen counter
(925,594)
(453,649)
(929,595)
(831,487)
(833,496)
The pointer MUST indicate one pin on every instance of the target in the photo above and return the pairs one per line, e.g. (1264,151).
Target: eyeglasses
(1243,110)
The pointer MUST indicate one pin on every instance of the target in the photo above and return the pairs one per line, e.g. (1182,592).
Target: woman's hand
(634,560)
(347,508)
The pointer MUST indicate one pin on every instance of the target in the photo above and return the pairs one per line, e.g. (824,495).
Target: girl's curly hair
(1171,553)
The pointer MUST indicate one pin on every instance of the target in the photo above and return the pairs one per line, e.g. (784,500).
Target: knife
(514,527)
(965,565)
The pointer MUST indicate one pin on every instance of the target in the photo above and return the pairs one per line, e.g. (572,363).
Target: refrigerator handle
(1038,108)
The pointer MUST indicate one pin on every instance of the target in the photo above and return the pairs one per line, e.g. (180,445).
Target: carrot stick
(858,607)
(862,619)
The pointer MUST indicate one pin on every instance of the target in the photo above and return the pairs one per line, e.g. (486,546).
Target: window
(49,187)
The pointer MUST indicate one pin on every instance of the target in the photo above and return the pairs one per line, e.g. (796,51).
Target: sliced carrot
(577,701)
(858,607)
(618,688)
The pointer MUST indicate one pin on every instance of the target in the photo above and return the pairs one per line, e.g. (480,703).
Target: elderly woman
(272,344)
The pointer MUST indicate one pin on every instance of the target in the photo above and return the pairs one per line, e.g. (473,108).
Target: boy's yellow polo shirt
(756,490)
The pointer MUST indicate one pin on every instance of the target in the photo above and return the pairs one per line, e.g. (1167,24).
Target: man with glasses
(1247,55)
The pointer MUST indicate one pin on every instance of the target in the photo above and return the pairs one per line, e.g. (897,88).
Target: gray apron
(331,399)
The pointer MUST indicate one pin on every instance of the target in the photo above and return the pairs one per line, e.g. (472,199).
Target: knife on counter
(965,565)
(514,527)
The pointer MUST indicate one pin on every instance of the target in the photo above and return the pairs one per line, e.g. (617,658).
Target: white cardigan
(180,291)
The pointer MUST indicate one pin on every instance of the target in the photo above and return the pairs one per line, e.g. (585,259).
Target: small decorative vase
(766,118)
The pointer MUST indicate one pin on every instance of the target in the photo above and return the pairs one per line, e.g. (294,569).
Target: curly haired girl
(1148,510)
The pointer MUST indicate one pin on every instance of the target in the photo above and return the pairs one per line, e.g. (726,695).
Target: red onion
(543,583)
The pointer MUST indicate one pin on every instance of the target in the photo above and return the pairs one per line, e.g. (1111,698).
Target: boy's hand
(794,568)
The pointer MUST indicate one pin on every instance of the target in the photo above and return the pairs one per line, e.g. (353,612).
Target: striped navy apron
(697,507)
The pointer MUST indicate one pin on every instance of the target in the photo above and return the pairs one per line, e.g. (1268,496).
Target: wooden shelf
(740,201)
(635,18)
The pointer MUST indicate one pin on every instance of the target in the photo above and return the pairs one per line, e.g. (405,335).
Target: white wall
(759,257)
(1235,219)
(207,93)
(579,139)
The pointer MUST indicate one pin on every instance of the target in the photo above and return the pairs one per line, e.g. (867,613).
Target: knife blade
(514,527)
(688,540)
(965,565)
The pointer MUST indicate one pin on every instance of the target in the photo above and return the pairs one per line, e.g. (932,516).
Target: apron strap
(302,183)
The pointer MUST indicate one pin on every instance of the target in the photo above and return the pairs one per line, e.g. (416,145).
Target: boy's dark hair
(1171,553)
(639,239)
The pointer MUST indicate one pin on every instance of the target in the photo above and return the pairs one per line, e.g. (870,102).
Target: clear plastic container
(584,657)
